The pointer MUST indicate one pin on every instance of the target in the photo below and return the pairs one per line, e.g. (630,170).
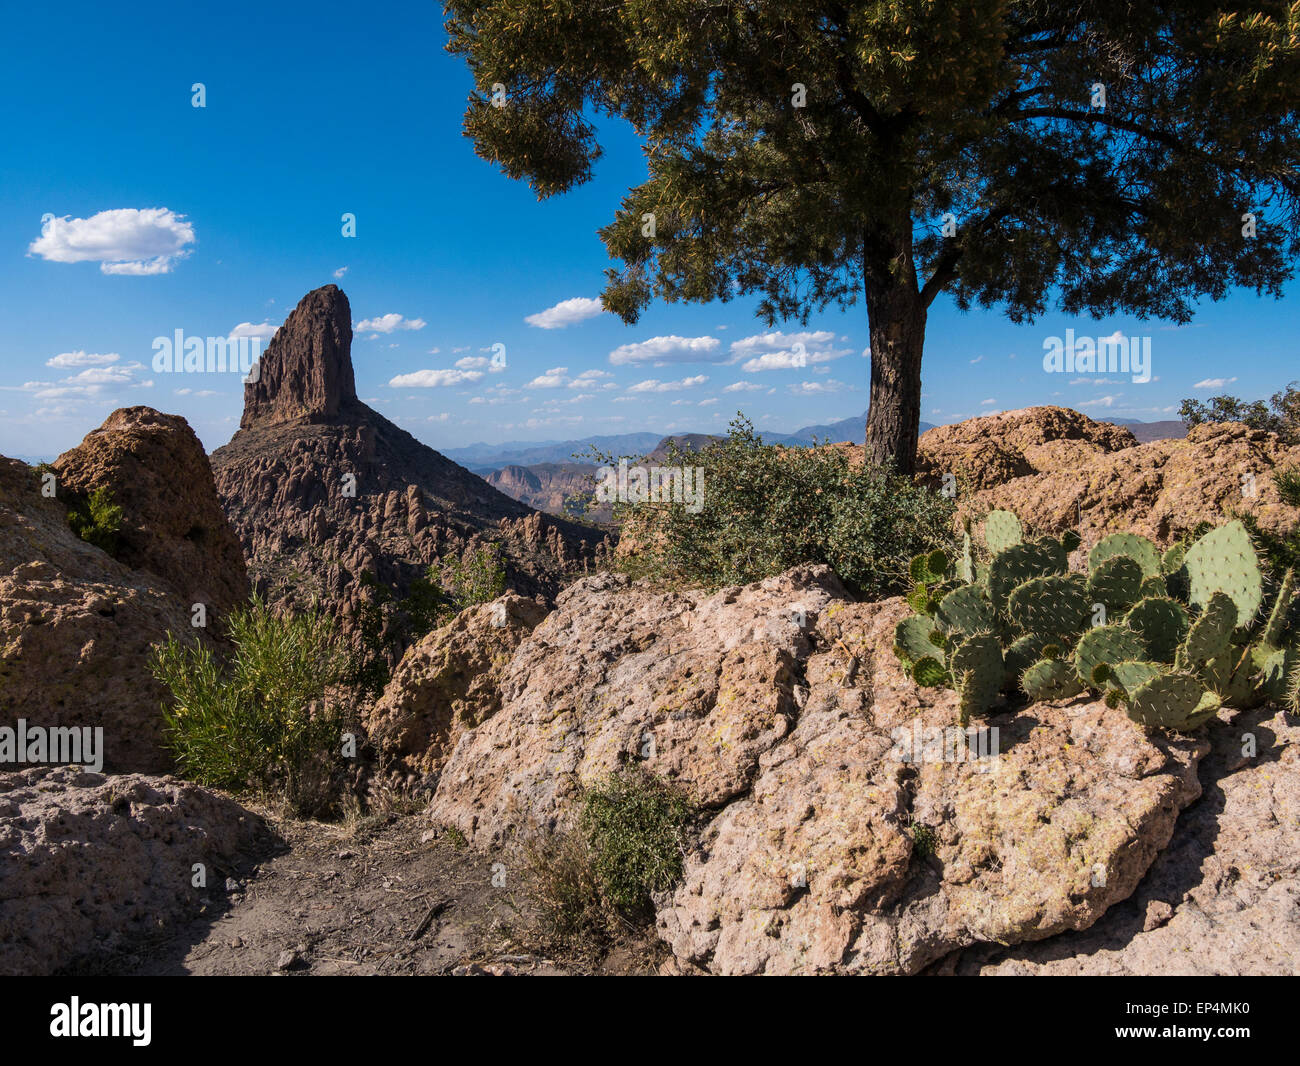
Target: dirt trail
(325,900)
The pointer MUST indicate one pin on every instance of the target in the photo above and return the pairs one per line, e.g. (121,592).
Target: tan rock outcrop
(1222,898)
(1162,489)
(154,468)
(89,862)
(448,683)
(76,628)
(774,707)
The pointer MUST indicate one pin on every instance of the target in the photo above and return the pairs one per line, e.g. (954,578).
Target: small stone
(1158,912)
(289,959)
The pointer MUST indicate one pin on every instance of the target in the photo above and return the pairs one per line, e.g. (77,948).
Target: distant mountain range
(485,458)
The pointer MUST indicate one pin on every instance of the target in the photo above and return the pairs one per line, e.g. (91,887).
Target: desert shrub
(634,825)
(97,520)
(271,719)
(596,881)
(767,508)
(480,579)
(1280,415)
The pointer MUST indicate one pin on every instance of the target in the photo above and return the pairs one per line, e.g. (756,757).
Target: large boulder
(778,709)
(447,683)
(90,863)
(76,629)
(153,467)
(1222,898)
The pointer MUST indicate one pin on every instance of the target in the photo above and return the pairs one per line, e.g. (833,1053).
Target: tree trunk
(896,321)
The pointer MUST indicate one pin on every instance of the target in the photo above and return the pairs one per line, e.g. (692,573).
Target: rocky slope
(548,487)
(321,489)
(776,708)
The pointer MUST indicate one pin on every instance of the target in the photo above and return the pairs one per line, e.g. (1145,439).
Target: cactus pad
(1050,679)
(912,639)
(977,666)
(1001,531)
(1133,545)
(1106,645)
(1224,560)
(929,672)
(1019,564)
(1053,606)
(1116,582)
(965,610)
(1173,701)
(1210,635)
(1162,624)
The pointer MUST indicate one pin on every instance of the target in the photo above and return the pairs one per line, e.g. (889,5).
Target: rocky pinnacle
(306,371)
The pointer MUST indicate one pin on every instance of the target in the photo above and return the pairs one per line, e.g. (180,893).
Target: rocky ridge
(321,489)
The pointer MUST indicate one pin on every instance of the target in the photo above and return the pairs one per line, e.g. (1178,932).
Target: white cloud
(101,375)
(432,379)
(388,323)
(665,350)
(126,240)
(338,274)
(555,378)
(1101,401)
(785,351)
(744,386)
(66,360)
(1213,383)
(566,313)
(262,331)
(813,388)
(472,362)
(654,385)
(593,379)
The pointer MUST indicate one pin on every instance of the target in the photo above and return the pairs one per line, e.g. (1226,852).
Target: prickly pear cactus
(1105,646)
(965,610)
(1224,560)
(1161,623)
(1211,634)
(1055,606)
(1133,545)
(1173,701)
(1002,531)
(1019,564)
(1182,639)
(1050,679)
(976,663)
(1116,583)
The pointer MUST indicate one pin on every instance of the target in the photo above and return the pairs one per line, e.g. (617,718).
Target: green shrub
(270,720)
(388,624)
(768,508)
(481,579)
(634,825)
(97,520)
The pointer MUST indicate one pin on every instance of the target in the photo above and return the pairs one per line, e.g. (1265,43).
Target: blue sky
(228,214)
